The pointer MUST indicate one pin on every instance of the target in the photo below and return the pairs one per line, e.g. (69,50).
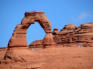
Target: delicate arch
(18,38)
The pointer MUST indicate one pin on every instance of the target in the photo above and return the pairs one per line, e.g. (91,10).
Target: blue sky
(59,13)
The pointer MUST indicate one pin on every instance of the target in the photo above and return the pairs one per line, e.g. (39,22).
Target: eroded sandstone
(82,35)
(18,38)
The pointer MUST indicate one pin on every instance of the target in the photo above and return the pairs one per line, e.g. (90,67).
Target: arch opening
(34,32)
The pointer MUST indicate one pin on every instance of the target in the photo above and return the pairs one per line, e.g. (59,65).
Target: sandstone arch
(18,38)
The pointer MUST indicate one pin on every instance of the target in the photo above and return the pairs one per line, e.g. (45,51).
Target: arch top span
(33,13)
(18,38)
(32,17)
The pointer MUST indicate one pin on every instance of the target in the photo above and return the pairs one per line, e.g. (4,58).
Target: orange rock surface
(49,58)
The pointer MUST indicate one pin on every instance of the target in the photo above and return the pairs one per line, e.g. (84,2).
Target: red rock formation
(18,38)
(71,34)
(37,43)
(84,34)
(65,35)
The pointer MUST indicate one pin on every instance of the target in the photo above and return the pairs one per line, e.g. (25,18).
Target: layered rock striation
(82,35)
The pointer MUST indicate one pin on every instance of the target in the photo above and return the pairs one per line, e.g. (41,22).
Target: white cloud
(82,17)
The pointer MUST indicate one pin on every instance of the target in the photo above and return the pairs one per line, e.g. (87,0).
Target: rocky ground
(50,58)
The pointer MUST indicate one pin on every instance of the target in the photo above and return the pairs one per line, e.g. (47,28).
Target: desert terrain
(56,57)
(69,48)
